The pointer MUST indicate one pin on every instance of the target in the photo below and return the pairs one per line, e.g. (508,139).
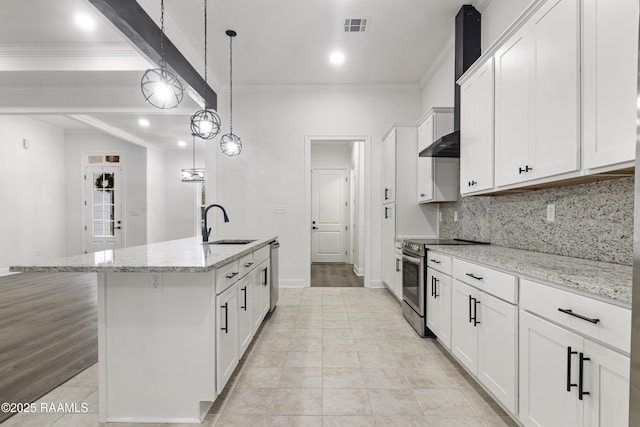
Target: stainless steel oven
(414,272)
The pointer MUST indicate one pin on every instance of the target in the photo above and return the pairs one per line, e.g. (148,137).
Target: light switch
(551,212)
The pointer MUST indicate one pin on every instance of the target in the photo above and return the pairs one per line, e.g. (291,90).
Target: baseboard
(377,284)
(293,283)
(358,271)
(6,272)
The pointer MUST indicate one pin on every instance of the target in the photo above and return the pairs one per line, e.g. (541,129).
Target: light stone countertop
(175,256)
(607,280)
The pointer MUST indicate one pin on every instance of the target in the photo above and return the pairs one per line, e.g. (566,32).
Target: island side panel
(157,346)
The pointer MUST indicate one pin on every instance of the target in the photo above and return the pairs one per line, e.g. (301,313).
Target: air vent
(355,25)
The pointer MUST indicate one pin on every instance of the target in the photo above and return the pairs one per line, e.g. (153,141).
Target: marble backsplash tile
(593,221)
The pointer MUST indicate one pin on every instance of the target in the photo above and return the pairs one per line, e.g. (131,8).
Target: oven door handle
(411,259)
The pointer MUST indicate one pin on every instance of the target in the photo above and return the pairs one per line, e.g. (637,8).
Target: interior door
(103,208)
(329,215)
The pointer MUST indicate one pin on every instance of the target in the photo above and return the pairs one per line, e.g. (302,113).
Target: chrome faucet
(207,231)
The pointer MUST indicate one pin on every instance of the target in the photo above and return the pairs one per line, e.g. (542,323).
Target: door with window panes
(103,208)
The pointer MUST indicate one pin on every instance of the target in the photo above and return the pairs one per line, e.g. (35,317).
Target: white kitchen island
(173,321)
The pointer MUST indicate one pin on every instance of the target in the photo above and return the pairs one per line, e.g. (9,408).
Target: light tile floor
(327,357)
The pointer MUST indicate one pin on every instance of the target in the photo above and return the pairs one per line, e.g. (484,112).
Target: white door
(464,333)
(546,352)
(329,215)
(442,292)
(103,208)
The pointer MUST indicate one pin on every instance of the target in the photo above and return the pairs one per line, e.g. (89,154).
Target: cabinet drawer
(497,283)
(261,255)
(439,262)
(226,276)
(613,324)
(246,264)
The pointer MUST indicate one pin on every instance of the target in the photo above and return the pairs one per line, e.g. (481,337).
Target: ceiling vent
(355,25)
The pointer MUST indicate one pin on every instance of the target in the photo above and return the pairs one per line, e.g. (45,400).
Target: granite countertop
(607,280)
(175,256)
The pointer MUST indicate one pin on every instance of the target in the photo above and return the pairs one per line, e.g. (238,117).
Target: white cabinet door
(606,379)
(546,352)
(610,56)
(389,168)
(388,245)
(425,164)
(555,43)
(245,325)
(397,288)
(226,335)
(438,288)
(512,107)
(464,334)
(257,314)
(476,131)
(497,349)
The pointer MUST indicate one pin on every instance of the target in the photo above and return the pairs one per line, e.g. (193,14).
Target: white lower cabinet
(261,295)
(226,336)
(438,288)
(568,380)
(484,337)
(245,324)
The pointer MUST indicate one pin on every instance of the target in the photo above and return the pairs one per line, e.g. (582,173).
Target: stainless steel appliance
(414,272)
(275,285)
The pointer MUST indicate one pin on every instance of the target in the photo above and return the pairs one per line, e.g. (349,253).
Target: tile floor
(327,357)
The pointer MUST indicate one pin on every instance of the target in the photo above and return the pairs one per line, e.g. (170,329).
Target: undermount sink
(230,242)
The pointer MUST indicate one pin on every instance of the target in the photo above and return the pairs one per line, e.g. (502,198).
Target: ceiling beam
(131,19)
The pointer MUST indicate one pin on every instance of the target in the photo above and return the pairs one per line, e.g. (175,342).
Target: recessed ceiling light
(143,122)
(182,144)
(85,22)
(336,58)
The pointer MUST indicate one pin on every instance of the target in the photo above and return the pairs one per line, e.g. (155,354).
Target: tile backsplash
(592,221)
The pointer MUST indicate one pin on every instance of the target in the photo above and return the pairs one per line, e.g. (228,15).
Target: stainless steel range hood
(467,50)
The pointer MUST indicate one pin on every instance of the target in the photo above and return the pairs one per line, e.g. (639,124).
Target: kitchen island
(173,321)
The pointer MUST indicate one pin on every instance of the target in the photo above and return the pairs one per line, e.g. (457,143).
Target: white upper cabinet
(610,54)
(438,178)
(476,130)
(389,168)
(537,101)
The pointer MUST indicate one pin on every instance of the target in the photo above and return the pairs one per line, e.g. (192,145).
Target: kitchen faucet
(207,231)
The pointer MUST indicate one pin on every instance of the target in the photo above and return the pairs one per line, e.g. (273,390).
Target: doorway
(336,197)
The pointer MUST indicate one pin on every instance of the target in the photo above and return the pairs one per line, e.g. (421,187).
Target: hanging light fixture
(160,87)
(193,174)
(205,123)
(230,143)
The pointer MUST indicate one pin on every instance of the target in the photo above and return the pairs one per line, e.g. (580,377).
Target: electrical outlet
(155,282)
(279,210)
(440,216)
(455,216)
(551,212)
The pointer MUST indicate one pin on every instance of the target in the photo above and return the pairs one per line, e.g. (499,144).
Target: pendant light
(205,123)
(193,174)
(161,88)
(230,143)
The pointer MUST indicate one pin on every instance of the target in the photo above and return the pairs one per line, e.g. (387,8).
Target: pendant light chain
(205,50)
(230,84)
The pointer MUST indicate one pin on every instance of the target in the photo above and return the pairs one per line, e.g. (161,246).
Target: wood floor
(334,275)
(48,332)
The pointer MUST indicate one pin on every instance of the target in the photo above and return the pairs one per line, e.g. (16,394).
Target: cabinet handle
(232,275)
(526,169)
(474,276)
(397,265)
(435,288)
(266,271)
(581,391)
(470,317)
(569,354)
(472,183)
(226,317)
(386,213)
(249,264)
(244,307)
(579,316)
(386,194)
(475,311)
(423,195)
(433,292)
(434,261)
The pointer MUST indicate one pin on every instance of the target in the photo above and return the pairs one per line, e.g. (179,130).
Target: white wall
(439,90)
(330,155)
(497,16)
(156,175)
(270,171)
(134,178)
(32,191)
(181,197)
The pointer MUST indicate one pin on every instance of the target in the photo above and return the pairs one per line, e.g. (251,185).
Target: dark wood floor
(335,275)
(48,332)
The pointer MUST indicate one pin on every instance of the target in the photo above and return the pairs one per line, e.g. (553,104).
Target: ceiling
(51,67)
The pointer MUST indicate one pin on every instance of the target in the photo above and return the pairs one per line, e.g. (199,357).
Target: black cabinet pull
(397,264)
(526,169)
(432,292)
(226,317)
(266,272)
(581,391)
(435,288)
(249,264)
(472,183)
(470,316)
(579,316)
(474,276)
(386,212)
(475,311)
(232,275)
(569,354)
(435,261)
(244,307)
(386,194)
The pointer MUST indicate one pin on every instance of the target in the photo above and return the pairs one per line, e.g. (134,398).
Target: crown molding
(446,51)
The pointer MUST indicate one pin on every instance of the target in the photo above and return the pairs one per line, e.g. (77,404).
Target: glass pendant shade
(205,124)
(193,175)
(161,89)
(230,144)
